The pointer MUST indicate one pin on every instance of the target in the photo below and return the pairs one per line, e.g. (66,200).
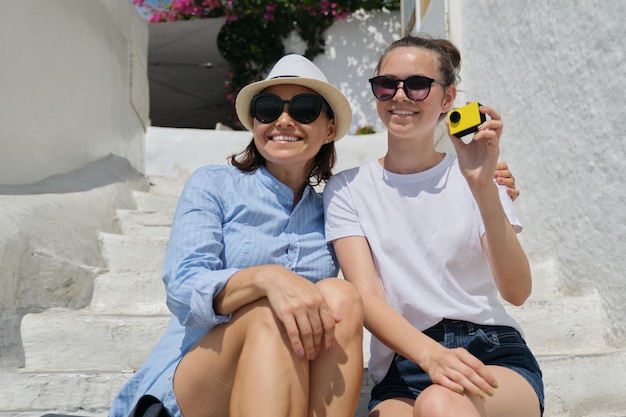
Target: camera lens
(455,116)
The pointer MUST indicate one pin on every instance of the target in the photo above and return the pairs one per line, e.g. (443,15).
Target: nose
(284,119)
(400,93)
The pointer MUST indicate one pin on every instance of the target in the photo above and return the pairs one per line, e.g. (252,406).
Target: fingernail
(481,395)
(300,353)
(491,392)
(460,389)
(495,384)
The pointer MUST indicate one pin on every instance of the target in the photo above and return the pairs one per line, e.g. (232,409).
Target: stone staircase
(583,374)
(77,360)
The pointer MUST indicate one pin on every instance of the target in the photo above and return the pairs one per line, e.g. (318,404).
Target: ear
(330,133)
(448,98)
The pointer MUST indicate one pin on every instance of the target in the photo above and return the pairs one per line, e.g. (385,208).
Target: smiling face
(402,116)
(287,145)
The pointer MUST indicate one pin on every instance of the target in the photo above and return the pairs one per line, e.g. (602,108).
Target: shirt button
(276,187)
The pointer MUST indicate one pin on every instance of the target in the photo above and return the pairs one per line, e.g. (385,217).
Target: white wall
(74,86)
(555,71)
(73,91)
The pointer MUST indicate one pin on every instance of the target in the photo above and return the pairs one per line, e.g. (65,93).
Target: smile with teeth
(285,138)
(403,112)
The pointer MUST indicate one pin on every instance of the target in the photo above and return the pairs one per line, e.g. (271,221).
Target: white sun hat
(298,70)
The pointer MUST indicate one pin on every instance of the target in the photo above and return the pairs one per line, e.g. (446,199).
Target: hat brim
(337,101)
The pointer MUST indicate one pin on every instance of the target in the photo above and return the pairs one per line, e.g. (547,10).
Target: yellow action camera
(465,120)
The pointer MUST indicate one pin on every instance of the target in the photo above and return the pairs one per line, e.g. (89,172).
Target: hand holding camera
(477,154)
(465,120)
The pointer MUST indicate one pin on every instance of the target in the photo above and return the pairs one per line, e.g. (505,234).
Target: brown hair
(449,55)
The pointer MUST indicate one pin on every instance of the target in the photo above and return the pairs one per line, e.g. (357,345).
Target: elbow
(516,301)
(516,286)
(518,297)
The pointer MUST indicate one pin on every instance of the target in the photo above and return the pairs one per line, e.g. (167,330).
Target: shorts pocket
(501,336)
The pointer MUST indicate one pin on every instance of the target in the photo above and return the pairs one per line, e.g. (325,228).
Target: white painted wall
(555,71)
(73,88)
(73,106)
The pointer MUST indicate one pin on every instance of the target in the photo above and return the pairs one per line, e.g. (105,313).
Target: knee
(432,402)
(344,299)
(259,316)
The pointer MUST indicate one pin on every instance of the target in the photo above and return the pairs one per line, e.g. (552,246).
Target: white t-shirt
(424,231)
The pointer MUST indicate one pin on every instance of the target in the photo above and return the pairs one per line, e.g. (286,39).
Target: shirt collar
(277,187)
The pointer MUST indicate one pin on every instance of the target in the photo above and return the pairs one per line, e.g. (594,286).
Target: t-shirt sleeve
(341,216)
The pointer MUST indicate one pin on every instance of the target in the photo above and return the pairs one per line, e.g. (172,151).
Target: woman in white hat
(257,330)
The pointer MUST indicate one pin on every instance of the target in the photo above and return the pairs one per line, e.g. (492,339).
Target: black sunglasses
(416,87)
(304,108)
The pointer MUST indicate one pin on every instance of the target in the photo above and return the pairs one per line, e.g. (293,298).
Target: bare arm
(508,261)
(478,161)
(296,301)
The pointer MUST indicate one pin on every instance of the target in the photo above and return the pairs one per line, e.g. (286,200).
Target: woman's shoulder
(349,174)
(214,178)
(219,173)
(215,169)
(349,179)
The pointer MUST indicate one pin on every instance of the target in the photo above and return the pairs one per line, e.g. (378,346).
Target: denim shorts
(493,345)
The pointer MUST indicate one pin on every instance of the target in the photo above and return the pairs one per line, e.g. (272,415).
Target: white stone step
(167,185)
(145,223)
(124,252)
(60,339)
(585,385)
(128,293)
(28,394)
(564,326)
(154,202)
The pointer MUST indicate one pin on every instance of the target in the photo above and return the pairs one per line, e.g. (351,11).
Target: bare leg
(336,376)
(514,398)
(234,369)
(246,367)
(270,379)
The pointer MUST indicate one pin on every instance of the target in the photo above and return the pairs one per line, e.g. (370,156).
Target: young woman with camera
(429,240)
